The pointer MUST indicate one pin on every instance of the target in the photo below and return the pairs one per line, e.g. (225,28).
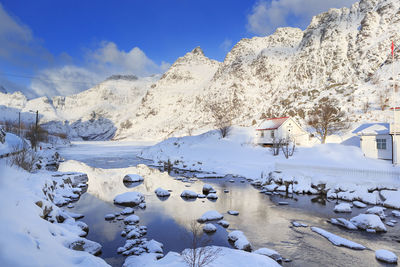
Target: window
(381,143)
(262,133)
(272,134)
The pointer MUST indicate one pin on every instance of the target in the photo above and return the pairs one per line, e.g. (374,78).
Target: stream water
(264,222)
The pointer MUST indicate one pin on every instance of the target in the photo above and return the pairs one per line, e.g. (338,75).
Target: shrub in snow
(129,199)
(209,228)
(210,216)
(24,158)
(368,221)
(189,194)
(162,192)
(239,240)
(133,178)
(386,256)
(342,207)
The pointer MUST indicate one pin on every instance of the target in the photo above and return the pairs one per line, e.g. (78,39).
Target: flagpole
(394,111)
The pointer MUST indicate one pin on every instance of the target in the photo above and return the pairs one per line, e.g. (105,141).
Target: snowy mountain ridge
(343,53)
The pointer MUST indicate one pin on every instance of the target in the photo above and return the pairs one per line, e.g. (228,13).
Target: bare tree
(276,146)
(288,147)
(383,99)
(327,118)
(199,254)
(366,106)
(223,110)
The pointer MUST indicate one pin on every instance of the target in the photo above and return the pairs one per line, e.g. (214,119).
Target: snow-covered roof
(374,129)
(272,124)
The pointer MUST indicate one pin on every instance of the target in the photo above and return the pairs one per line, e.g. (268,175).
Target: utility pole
(19,124)
(36,129)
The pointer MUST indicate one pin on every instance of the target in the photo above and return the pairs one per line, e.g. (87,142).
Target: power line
(44,79)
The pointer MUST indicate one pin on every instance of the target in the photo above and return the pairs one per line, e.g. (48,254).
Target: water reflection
(264,222)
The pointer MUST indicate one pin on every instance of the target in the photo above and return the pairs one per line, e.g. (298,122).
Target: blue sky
(71,45)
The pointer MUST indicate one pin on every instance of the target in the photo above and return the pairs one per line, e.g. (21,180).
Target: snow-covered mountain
(343,53)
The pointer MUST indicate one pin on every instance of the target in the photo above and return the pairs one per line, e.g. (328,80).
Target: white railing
(338,171)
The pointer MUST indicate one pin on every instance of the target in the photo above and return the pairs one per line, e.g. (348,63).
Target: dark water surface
(264,222)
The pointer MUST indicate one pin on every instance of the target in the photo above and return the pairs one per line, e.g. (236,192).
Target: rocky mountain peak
(3,90)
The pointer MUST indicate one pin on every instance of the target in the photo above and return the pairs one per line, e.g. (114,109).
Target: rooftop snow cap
(374,129)
(272,124)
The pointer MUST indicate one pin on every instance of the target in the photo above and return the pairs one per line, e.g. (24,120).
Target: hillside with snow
(343,53)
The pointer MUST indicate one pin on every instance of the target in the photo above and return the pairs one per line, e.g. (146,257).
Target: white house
(280,128)
(381,140)
(376,141)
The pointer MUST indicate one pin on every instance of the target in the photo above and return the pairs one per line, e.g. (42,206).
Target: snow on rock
(129,199)
(239,239)
(209,228)
(359,204)
(298,224)
(109,217)
(368,221)
(226,257)
(223,223)
(189,194)
(391,198)
(132,178)
(201,196)
(132,219)
(269,253)
(207,188)
(153,246)
(210,215)
(162,192)
(386,256)
(127,211)
(212,196)
(380,211)
(92,247)
(344,223)
(342,207)
(233,212)
(396,213)
(337,240)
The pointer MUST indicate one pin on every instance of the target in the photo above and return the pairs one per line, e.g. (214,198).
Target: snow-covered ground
(11,143)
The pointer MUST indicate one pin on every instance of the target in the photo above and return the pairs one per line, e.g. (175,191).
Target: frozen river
(265,223)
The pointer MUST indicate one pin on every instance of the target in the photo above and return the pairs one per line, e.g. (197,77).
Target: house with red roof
(281,128)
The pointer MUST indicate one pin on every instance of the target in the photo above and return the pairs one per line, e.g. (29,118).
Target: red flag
(392,48)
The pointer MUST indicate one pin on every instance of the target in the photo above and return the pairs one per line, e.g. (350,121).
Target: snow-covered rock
(189,194)
(127,211)
(132,178)
(212,196)
(223,223)
(396,213)
(337,240)
(154,246)
(209,228)
(392,198)
(380,211)
(359,204)
(368,221)
(132,219)
(342,207)
(269,253)
(344,223)
(162,192)
(207,188)
(129,199)
(92,247)
(298,224)
(239,239)
(201,195)
(386,256)
(109,217)
(210,215)
(233,212)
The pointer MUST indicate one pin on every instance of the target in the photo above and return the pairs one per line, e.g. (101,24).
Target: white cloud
(99,64)
(265,16)
(226,45)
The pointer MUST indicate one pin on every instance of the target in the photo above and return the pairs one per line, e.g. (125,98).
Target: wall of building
(369,147)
